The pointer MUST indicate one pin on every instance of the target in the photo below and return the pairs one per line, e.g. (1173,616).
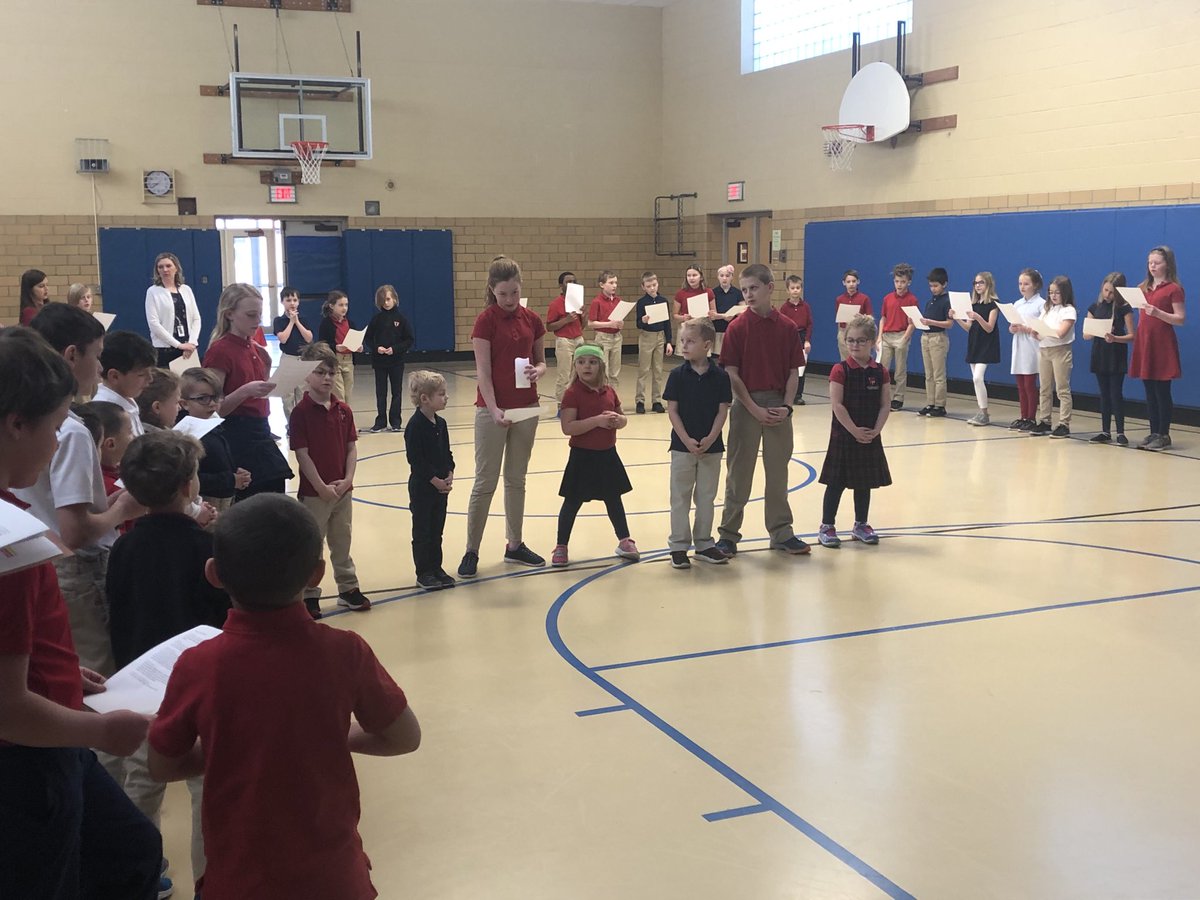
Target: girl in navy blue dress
(860,390)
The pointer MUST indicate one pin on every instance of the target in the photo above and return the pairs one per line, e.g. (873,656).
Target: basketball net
(309,154)
(838,143)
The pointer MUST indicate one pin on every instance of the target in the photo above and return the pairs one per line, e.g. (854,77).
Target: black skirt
(253,449)
(594,475)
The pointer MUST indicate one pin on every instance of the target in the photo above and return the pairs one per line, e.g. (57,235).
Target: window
(776,32)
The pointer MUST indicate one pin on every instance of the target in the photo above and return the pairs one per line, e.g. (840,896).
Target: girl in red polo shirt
(1155,346)
(335,324)
(242,366)
(693,286)
(591,415)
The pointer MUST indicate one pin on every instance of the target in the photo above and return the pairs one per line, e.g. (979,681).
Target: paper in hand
(960,303)
(523,413)
(141,685)
(195,427)
(525,302)
(697,307)
(737,310)
(620,311)
(657,312)
(914,315)
(105,319)
(846,313)
(354,339)
(1133,296)
(574,297)
(181,365)
(519,365)
(290,374)
(1097,327)
(1009,311)
(1040,326)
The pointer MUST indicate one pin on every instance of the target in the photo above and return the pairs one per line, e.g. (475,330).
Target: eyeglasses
(981,282)
(858,340)
(202,398)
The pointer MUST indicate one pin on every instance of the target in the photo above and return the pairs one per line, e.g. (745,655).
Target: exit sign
(735,190)
(281,193)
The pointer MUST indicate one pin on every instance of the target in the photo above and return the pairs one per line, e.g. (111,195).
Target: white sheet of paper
(574,297)
(960,303)
(657,312)
(354,339)
(620,311)
(1097,327)
(525,302)
(29,552)
(197,428)
(17,524)
(525,412)
(915,315)
(140,686)
(519,365)
(181,365)
(846,313)
(105,319)
(290,374)
(737,310)
(1040,326)
(1009,311)
(1133,296)
(697,307)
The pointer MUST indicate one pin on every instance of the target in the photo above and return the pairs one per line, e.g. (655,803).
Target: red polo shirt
(591,402)
(558,310)
(512,336)
(241,362)
(340,330)
(861,300)
(601,309)
(681,300)
(765,350)
(33,623)
(270,700)
(326,433)
(893,316)
(799,314)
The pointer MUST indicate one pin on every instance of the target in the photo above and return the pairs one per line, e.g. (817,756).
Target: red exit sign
(281,193)
(736,190)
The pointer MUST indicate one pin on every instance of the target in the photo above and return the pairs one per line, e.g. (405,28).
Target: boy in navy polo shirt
(293,334)
(935,343)
(762,354)
(654,340)
(264,712)
(321,431)
(698,396)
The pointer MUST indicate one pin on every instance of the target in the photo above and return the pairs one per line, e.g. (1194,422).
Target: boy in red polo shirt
(796,308)
(852,296)
(761,355)
(263,711)
(321,431)
(608,333)
(567,328)
(58,807)
(895,330)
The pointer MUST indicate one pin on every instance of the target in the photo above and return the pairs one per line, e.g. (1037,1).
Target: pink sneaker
(558,559)
(627,549)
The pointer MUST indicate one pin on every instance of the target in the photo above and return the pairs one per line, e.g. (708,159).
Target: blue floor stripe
(599,711)
(724,814)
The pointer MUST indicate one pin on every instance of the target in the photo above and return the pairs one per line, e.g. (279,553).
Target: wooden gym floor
(991,703)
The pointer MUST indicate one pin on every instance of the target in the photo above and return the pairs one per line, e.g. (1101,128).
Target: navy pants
(69,832)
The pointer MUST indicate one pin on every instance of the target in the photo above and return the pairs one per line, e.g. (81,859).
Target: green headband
(588,350)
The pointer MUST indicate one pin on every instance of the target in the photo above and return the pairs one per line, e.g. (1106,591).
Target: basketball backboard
(269,112)
(878,96)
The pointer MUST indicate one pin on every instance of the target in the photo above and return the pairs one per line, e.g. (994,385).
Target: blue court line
(601,710)
(712,761)
(722,815)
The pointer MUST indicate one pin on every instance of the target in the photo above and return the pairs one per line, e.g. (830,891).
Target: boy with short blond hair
(430,477)
(654,342)
(200,394)
(158,403)
(762,353)
(322,434)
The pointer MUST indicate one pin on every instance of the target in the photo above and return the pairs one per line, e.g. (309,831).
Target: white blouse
(1054,317)
(160,316)
(1025,346)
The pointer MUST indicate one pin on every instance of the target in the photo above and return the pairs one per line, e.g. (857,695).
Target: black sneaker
(522,555)
(1102,438)
(792,545)
(1015,425)
(313,606)
(429,582)
(640,408)
(354,600)
(1026,426)
(799,401)
(469,565)
(712,555)
(1060,431)
(924,410)
(1039,429)
(897,404)
(377,428)
(728,547)
(1122,440)
(446,580)
(658,408)
(679,560)
(936,412)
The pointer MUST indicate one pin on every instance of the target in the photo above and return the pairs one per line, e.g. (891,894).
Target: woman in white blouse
(171,312)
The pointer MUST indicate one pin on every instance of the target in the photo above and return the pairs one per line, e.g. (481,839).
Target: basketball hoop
(838,142)
(310,154)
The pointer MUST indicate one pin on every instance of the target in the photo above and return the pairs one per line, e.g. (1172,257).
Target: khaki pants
(612,345)
(843,350)
(934,348)
(1054,368)
(81,579)
(745,435)
(343,378)
(693,481)
(147,796)
(293,400)
(334,519)
(564,352)
(496,445)
(651,348)
(893,350)
(720,343)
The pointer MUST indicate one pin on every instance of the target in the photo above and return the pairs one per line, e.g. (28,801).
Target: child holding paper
(859,390)
(1054,359)
(1110,354)
(796,309)
(1155,346)
(851,296)
(983,340)
(430,477)
(693,286)
(60,808)
(567,328)
(335,325)
(726,296)
(591,416)
(654,340)
(935,343)
(504,332)
(1025,348)
(156,586)
(607,333)
(242,366)
(199,395)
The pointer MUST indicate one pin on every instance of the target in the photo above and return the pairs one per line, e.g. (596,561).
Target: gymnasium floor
(987,704)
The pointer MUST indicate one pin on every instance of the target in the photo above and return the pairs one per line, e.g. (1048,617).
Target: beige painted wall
(481,108)
(1077,95)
